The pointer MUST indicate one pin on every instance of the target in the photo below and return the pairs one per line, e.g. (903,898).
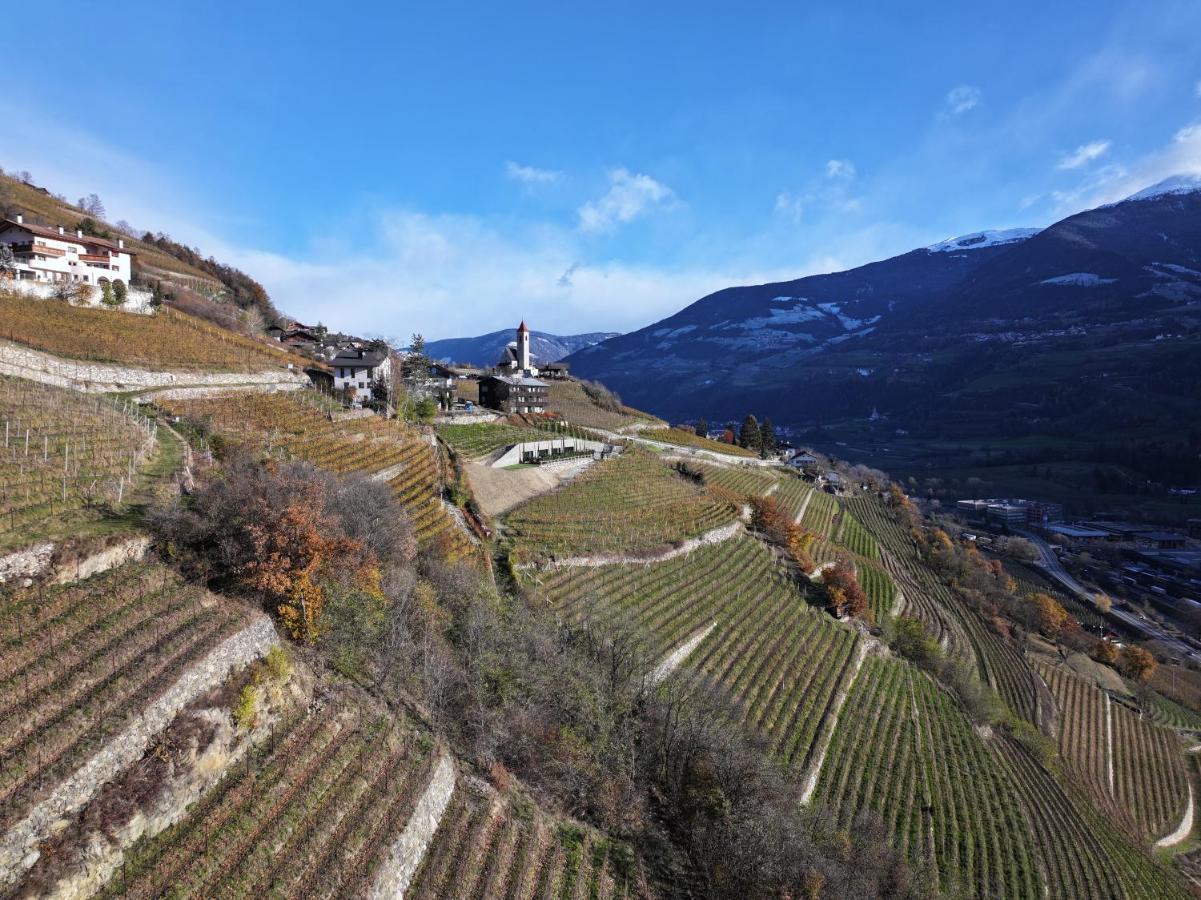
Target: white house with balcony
(45,254)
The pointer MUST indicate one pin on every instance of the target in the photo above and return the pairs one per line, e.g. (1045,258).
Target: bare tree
(92,205)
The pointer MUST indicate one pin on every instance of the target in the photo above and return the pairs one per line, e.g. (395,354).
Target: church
(515,388)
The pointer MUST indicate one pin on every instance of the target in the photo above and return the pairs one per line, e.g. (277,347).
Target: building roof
(53,233)
(522,327)
(1161,536)
(518,380)
(1076,531)
(350,356)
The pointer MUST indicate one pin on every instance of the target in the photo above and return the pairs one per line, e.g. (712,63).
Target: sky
(450,169)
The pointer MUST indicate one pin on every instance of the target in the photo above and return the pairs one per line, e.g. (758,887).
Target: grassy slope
(167,340)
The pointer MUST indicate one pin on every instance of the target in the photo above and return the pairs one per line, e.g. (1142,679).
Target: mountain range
(486,349)
(1085,332)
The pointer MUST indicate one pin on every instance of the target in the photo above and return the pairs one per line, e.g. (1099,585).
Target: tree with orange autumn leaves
(288,533)
(772,520)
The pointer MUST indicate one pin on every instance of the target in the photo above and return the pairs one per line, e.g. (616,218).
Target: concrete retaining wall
(517,452)
(35,365)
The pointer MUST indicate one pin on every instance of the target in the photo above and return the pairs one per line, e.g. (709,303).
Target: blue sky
(453,168)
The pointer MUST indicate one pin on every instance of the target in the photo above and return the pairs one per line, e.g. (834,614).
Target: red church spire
(521,327)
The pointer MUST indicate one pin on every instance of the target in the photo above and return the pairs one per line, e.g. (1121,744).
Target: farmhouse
(514,394)
(55,254)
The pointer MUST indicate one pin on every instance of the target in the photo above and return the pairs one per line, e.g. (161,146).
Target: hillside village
(291,611)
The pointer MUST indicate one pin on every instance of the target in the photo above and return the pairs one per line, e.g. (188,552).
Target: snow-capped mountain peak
(1177,184)
(984,239)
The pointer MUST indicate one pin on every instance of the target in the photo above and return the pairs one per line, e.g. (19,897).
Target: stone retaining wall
(19,847)
(410,848)
(23,362)
(28,563)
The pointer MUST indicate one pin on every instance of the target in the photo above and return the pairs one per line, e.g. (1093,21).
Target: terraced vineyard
(960,629)
(903,749)
(820,513)
(781,662)
(487,846)
(1166,712)
(167,340)
(663,603)
(632,503)
(682,438)
(1082,856)
(64,456)
(880,589)
(311,813)
(742,481)
(1149,786)
(855,537)
(1030,580)
(78,664)
(793,494)
(299,424)
(482,439)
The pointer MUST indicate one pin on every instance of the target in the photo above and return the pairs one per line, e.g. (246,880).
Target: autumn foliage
(1049,615)
(1137,664)
(288,535)
(844,595)
(772,520)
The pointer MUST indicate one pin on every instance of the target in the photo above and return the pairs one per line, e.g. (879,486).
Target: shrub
(120,292)
(245,710)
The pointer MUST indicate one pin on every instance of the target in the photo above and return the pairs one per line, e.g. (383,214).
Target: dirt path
(499,490)
(1184,829)
(672,661)
(713,536)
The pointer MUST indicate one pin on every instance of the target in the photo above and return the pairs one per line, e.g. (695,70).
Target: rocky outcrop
(93,378)
(19,847)
(410,848)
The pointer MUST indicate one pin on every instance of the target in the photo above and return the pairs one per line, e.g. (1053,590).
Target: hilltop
(198,283)
(1039,348)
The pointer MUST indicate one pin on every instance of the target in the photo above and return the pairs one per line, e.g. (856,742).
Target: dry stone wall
(23,362)
(19,847)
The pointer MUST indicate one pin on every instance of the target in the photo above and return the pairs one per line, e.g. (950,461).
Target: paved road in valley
(1050,563)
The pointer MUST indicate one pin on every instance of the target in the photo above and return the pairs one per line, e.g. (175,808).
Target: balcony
(102,258)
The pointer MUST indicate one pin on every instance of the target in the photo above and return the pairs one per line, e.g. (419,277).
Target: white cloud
(840,170)
(962,98)
(790,206)
(1180,156)
(629,196)
(530,175)
(1084,154)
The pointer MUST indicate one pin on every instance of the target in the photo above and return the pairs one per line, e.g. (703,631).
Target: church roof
(522,327)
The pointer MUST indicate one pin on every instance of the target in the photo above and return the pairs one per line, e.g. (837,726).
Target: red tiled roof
(86,240)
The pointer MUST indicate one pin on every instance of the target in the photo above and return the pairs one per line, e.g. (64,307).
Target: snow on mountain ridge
(1176,184)
(983,239)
